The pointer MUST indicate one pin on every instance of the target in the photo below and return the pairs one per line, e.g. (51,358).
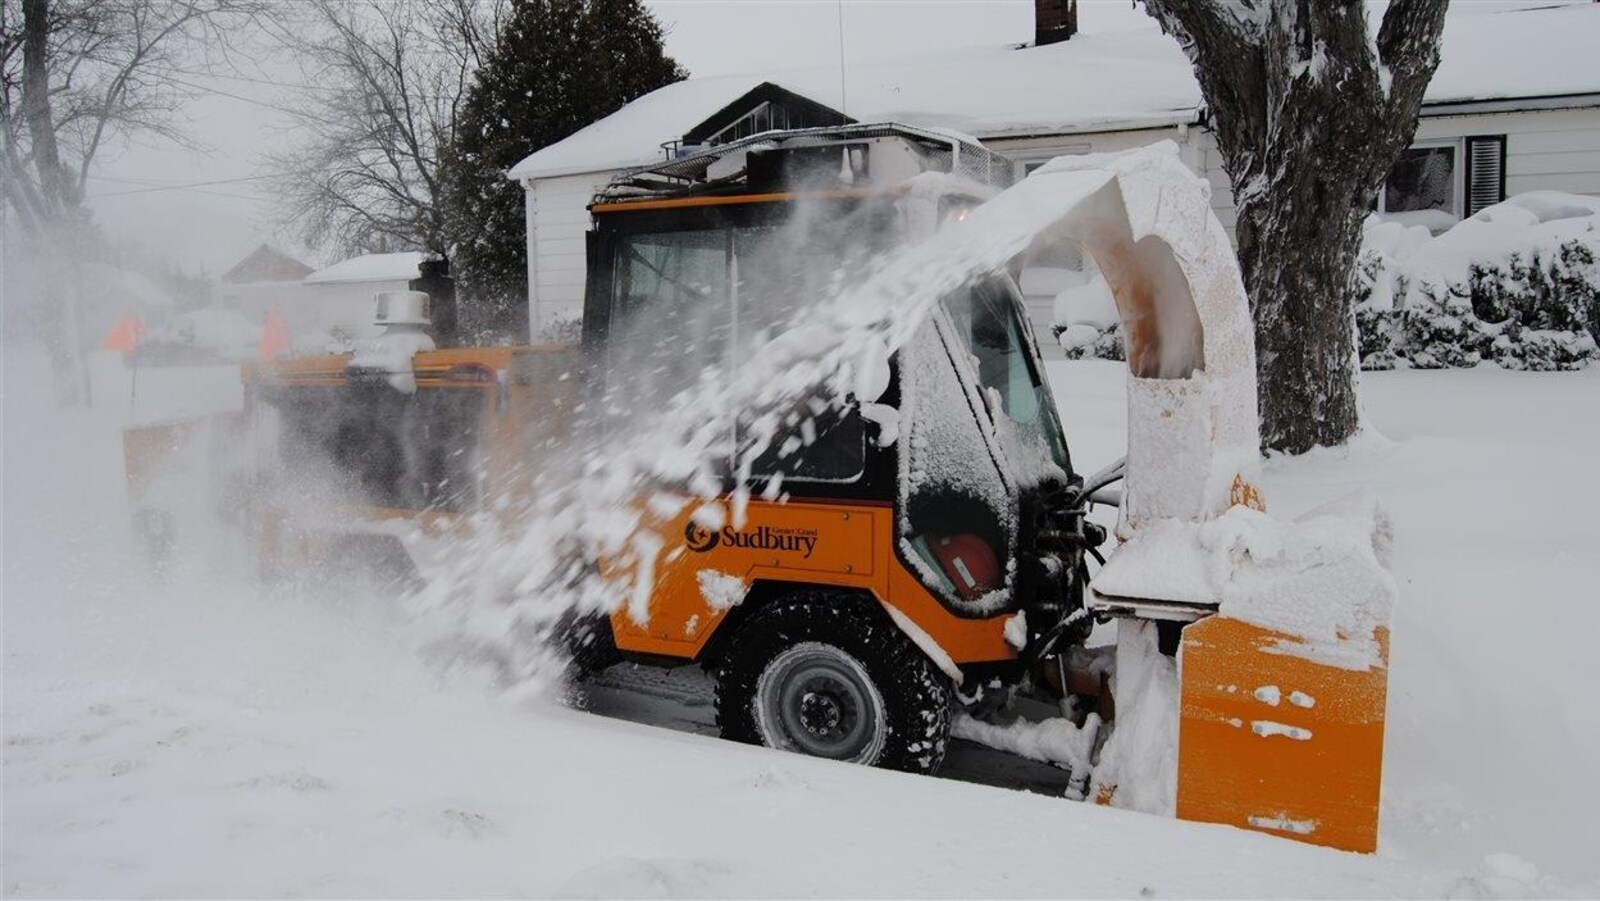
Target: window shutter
(1486,172)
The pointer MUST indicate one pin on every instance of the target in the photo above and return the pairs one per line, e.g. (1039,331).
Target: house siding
(1555,150)
(1546,150)
(558,216)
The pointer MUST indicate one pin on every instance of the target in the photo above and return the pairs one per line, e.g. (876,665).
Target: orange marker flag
(274,336)
(126,334)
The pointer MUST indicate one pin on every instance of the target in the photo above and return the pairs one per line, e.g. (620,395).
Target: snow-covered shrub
(1091,342)
(1087,324)
(1518,284)
(1377,323)
(561,330)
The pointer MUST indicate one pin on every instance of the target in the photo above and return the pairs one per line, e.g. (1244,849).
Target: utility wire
(181,187)
(297,113)
(299,86)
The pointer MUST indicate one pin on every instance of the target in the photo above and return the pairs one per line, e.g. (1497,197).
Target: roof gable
(784,107)
(1112,81)
(266,264)
(372,267)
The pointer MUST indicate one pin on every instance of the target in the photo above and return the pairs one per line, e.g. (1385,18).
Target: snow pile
(215,739)
(1133,764)
(1138,766)
(1057,741)
(1323,580)
(1518,284)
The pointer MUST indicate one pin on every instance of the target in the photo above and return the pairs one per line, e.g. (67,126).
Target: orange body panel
(529,395)
(849,545)
(709,200)
(1307,767)
(428,364)
(843,544)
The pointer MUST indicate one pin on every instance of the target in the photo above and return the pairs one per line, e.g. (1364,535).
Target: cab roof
(760,166)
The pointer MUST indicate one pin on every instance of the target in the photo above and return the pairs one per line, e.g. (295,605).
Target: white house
(265,279)
(342,294)
(1513,107)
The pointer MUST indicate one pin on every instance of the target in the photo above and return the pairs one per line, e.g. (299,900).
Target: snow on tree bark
(1310,112)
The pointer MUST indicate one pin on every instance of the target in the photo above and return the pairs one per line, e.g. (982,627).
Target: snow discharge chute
(688,515)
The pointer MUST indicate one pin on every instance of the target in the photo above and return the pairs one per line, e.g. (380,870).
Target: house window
(767,116)
(1423,179)
(1029,160)
(1438,183)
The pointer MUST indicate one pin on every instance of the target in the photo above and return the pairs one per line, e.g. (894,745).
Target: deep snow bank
(1322,577)
(1490,739)
(202,738)
(1517,284)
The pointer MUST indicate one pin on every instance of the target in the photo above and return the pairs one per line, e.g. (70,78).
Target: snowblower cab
(870,556)
(923,538)
(931,535)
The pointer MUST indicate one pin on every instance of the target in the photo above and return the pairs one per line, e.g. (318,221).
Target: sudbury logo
(699,538)
(765,538)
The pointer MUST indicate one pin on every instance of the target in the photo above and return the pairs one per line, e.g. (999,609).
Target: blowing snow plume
(660,441)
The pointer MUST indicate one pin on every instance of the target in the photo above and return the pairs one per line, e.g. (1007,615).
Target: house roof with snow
(266,264)
(1091,83)
(372,267)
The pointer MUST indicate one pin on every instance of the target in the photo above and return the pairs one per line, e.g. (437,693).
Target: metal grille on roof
(687,175)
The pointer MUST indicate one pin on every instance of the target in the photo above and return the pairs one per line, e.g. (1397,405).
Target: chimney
(1054,21)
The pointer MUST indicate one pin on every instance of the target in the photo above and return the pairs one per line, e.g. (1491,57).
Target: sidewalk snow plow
(809,445)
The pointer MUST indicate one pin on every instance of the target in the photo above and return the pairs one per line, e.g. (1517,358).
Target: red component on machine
(969,563)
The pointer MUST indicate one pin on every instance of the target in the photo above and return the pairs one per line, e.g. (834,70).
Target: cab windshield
(988,317)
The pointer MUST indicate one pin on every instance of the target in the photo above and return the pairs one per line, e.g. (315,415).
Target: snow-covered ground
(197,735)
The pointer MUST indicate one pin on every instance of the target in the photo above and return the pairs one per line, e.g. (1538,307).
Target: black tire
(589,642)
(842,682)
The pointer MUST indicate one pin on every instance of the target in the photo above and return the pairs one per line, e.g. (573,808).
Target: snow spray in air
(695,393)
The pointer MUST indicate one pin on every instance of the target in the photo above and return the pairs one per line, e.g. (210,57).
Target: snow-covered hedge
(1086,320)
(1518,284)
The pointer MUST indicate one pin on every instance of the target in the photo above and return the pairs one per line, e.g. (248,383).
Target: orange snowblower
(897,555)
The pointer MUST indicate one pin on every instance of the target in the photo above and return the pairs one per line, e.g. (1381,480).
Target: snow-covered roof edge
(371,267)
(1490,59)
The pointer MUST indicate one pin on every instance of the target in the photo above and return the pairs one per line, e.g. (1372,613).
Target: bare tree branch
(79,75)
(391,75)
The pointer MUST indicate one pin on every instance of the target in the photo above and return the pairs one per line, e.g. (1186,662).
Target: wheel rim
(818,700)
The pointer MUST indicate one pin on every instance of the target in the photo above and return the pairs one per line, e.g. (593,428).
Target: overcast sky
(193,207)
(137,195)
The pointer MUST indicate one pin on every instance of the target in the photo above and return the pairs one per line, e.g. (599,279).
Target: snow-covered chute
(1276,704)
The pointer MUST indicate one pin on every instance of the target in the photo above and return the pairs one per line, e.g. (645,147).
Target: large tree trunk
(1298,275)
(1308,123)
(58,214)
